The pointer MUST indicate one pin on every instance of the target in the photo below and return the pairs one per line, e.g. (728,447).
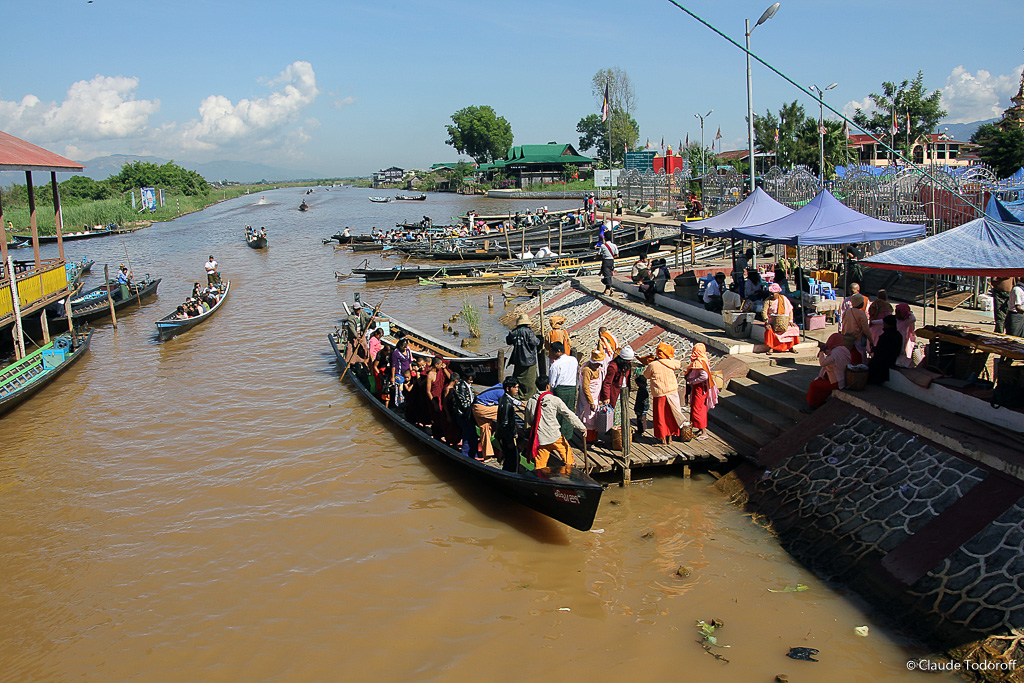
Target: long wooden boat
(568,496)
(18,243)
(23,378)
(256,241)
(68,236)
(303,206)
(168,326)
(411,272)
(92,305)
(403,198)
(380,200)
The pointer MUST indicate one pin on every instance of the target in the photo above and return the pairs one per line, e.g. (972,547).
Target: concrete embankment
(930,535)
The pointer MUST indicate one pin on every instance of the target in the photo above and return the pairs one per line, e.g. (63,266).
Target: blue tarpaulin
(826,220)
(1001,212)
(983,246)
(756,209)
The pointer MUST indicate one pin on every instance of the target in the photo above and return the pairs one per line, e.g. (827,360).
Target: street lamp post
(821,130)
(703,168)
(768,14)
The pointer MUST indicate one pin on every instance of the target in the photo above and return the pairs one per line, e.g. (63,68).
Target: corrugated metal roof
(18,155)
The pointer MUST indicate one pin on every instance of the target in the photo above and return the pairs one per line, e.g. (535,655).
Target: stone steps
(731,423)
(780,400)
(792,380)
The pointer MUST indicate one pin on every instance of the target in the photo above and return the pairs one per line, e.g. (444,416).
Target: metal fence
(660,191)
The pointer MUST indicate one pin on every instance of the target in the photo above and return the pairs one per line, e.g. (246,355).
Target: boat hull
(257,243)
(168,327)
(571,498)
(9,400)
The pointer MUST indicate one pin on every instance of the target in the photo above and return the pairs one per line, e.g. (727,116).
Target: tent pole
(803,308)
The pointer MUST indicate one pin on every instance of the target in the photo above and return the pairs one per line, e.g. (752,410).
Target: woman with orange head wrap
(701,389)
(664,389)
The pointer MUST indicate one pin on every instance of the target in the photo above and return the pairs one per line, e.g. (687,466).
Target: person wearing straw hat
(776,310)
(525,345)
(588,398)
(664,388)
(700,389)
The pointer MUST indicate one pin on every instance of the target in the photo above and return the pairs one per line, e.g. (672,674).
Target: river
(218,507)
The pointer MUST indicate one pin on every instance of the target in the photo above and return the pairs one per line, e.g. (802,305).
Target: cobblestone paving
(860,488)
(577,306)
(980,586)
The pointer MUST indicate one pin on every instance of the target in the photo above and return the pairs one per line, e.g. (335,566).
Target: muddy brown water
(218,507)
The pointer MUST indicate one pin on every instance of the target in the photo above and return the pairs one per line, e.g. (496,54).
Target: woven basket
(856,379)
(780,323)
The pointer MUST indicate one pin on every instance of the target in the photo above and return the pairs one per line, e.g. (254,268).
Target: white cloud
(224,124)
(342,102)
(101,116)
(975,97)
(103,108)
(850,108)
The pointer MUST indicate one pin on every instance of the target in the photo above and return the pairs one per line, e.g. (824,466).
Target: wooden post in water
(541,370)
(523,230)
(547,226)
(110,302)
(508,245)
(559,237)
(636,232)
(693,251)
(44,326)
(17,331)
(627,436)
(501,365)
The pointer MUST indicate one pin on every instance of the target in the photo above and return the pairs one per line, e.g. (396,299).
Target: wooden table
(982,340)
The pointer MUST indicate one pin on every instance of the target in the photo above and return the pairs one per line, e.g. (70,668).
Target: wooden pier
(645,452)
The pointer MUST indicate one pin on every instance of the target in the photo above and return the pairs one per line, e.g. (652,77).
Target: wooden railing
(36,288)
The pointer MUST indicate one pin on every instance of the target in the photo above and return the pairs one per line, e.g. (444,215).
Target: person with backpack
(462,406)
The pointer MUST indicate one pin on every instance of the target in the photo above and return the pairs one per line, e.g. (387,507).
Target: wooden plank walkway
(645,453)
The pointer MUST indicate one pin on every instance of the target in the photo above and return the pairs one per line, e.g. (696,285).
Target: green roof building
(538,163)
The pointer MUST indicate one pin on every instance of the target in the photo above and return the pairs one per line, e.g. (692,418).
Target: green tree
(594,135)
(1003,150)
(910,100)
(790,149)
(480,133)
(169,176)
(80,187)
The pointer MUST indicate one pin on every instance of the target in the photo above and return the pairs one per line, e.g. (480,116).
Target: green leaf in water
(791,589)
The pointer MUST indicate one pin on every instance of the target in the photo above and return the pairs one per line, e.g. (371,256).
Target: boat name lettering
(567,496)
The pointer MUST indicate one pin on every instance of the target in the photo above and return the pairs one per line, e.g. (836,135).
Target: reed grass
(471,315)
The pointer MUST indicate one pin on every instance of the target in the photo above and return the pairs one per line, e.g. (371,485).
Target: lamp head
(831,86)
(768,14)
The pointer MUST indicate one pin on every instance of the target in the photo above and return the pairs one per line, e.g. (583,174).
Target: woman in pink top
(906,324)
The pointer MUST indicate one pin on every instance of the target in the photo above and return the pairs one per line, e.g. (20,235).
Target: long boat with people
(417,198)
(23,378)
(567,495)
(256,239)
(193,311)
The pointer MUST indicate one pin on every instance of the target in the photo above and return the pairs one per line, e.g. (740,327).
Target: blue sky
(345,88)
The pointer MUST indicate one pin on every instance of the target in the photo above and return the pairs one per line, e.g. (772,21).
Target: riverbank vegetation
(117,200)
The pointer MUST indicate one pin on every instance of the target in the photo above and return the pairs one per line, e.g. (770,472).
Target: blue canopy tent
(1001,212)
(756,209)
(826,220)
(984,247)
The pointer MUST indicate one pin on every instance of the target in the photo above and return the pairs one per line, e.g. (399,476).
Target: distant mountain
(962,132)
(102,168)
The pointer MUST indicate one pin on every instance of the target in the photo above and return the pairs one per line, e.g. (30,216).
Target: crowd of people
(528,419)
(200,301)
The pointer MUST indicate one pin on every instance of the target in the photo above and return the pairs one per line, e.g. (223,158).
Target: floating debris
(685,572)
(804,653)
(708,639)
(799,588)
(861,631)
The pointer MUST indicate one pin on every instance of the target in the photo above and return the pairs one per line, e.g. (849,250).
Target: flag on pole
(719,135)
(823,130)
(687,139)
(895,128)
(908,120)
(604,107)
(648,143)
(846,129)
(776,136)
(625,147)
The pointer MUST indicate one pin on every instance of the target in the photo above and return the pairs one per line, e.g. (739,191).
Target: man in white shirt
(563,376)
(607,252)
(713,293)
(212,276)
(1015,312)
